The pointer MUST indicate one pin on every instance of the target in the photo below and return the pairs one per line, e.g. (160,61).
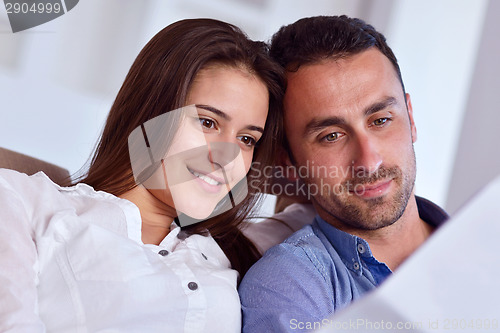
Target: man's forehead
(340,81)
(371,56)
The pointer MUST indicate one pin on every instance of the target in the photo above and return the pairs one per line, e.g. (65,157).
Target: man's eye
(207,123)
(380,121)
(248,141)
(332,137)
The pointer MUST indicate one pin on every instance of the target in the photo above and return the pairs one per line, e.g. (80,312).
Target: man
(349,124)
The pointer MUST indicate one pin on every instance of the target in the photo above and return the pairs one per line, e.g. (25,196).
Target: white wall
(477,158)
(437,43)
(58,80)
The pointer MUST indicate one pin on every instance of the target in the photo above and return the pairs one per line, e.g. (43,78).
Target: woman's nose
(223,154)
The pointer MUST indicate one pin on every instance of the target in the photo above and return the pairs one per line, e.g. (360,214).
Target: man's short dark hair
(312,39)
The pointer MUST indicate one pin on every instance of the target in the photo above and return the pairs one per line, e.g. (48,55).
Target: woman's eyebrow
(225,116)
(218,112)
(255,128)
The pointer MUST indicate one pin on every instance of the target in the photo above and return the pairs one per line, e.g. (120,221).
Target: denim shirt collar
(430,212)
(349,247)
(352,248)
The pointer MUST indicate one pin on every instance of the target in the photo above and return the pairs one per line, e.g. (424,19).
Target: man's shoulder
(276,229)
(291,280)
(302,250)
(302,240)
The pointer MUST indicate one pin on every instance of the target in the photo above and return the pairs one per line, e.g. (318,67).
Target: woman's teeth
(205,178)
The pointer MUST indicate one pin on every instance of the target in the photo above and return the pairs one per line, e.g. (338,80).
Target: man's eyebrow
(316,125)
(225,116)
(218,112)
(380,105)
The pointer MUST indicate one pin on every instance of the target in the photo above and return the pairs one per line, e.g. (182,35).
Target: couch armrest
(23,163)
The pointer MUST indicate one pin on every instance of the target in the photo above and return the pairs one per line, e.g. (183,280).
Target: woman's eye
(248,140)
(207,123)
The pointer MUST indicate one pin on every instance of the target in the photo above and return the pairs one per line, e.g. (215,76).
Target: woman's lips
(208,182)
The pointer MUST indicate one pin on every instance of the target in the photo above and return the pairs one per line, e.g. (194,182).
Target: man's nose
(367,158)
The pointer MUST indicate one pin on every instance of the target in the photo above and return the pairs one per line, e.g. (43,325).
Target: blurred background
(58,80)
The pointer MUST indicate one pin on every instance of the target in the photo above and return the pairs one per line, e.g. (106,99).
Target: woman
(107,254)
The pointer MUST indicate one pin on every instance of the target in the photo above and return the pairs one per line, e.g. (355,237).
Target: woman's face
(213,147)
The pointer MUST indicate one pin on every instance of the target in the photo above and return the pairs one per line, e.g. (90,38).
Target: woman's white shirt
(72,260)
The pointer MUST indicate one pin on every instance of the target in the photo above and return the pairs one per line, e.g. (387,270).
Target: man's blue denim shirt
(316,271)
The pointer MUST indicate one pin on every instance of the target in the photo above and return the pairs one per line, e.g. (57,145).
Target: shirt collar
(348,247)
(351,248)
(430,212)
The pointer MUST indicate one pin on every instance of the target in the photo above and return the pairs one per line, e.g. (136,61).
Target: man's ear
(409,107)
(290,183)
(285,161)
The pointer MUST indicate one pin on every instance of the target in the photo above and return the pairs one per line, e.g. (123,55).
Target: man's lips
(371,190)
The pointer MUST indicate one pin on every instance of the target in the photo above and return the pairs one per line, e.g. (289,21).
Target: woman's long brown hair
(159,81)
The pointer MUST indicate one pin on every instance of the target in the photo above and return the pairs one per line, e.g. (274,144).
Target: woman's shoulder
(39,190)
(45,202)
(19,182)
(36,186)
(41,186)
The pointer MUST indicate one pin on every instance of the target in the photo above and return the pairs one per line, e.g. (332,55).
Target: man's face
(346,120)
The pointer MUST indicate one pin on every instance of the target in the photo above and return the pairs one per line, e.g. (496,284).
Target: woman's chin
(195,202)
(200,212)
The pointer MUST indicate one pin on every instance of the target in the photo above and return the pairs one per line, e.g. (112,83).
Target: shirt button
(356,266)
(361,248)
(193,285)
(163,252)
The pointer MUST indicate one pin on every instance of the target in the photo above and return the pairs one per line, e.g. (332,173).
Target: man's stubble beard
(373,213)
